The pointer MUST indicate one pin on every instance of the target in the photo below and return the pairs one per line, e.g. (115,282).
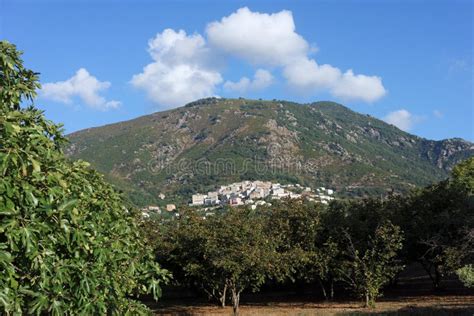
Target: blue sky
(408,62)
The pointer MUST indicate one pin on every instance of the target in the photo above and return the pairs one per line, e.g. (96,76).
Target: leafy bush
(68,245)
(466,275)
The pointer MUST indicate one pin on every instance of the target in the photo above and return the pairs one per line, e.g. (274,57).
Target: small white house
(198,199)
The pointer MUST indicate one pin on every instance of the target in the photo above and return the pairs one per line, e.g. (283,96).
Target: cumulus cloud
(306,74)
(402,119)
(358,87)
(259,38)
(261,80)
(182,69)
(271,39)
(184,66)
(82,85)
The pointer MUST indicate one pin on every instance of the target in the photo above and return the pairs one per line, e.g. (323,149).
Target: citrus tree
(68,244)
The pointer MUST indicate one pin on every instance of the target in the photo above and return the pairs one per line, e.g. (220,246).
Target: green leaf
(36,165)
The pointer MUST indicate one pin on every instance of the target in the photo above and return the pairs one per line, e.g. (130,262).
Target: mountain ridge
(212,141)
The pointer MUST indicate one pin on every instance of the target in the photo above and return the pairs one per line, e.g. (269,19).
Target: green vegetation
(241,249)
(68,243)
(466,275)
(221,254)
(355,245)
(186,150)
(438,223)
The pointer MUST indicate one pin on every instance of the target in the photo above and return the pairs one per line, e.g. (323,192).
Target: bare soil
(417,305)
(412,295)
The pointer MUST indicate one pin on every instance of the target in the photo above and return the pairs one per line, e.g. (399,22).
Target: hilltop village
(255,192)
(250,193)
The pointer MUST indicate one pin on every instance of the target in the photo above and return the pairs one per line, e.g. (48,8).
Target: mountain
(218,141)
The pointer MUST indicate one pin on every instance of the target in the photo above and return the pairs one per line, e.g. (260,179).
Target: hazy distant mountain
(218,141)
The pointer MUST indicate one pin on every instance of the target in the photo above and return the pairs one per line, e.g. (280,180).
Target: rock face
(217,141)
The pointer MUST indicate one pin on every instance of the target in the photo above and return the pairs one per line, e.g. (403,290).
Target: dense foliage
(68,244)
(466,275)
(438,222)
(241,249)
(221,254)
(356,245)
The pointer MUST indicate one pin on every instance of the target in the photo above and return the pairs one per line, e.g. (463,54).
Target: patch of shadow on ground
(417,311)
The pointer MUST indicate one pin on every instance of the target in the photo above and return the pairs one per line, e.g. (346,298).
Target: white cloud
(174,48)
(182,70)
(259,38)
(271,39)
(185,67)
(402,119)
(82,85)
(358,87)
(306,74)
(261,80)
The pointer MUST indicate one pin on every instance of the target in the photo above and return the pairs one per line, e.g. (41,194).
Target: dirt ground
(417,305)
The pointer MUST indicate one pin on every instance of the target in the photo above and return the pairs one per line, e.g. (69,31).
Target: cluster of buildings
(250,193)
(254,192)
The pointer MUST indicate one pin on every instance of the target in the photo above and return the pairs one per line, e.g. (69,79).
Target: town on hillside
(252,194)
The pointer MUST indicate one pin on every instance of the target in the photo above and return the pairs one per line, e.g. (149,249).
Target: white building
(198,199)
(212,198)
(277,191)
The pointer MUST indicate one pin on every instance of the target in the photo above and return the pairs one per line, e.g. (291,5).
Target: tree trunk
(235,301)
(223,295)
(331,295)
(434,279)
(437,278)
(369,299)
(323,289)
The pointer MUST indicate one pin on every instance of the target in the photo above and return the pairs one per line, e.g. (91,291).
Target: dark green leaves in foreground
(68,245)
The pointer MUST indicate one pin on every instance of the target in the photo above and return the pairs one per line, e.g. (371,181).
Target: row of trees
(68,242)
(361,245)
(241,249)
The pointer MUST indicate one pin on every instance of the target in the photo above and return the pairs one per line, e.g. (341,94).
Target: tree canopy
(68,243)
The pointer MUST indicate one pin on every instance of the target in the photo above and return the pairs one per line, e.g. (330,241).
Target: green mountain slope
(217,141)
